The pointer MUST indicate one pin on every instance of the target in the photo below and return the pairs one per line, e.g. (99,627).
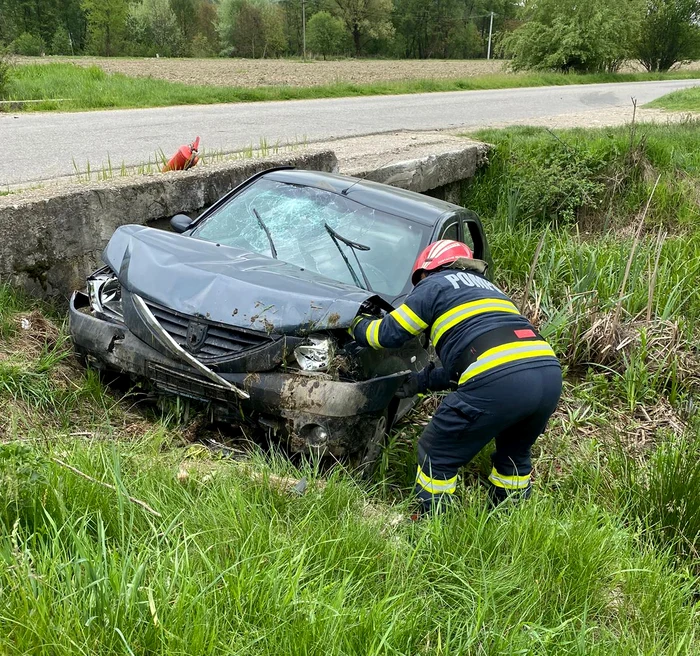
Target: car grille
(220,342)
(186,384)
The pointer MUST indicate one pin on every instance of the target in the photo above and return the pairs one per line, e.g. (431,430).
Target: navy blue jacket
(456,307)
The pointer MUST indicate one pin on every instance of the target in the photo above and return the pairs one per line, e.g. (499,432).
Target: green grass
(91,88)
(581,192)
(685,100)
(598,179)
(603,560)
(235,567)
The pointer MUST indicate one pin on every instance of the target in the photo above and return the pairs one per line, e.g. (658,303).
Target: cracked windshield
(320,231)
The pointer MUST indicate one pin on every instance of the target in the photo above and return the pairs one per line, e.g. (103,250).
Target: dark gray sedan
(247,306)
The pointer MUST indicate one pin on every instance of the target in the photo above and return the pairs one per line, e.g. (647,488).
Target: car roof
(400,202)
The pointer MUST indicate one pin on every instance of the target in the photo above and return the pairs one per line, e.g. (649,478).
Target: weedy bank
(685,100)
(192,551)
(69,87)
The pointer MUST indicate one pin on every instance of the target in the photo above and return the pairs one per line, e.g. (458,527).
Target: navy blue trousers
(512,408)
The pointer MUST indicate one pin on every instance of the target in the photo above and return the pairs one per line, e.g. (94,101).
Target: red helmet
(437,255)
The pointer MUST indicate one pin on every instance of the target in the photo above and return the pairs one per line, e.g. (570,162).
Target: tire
(367,459)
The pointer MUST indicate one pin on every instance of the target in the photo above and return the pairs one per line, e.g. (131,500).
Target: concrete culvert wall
(50,239)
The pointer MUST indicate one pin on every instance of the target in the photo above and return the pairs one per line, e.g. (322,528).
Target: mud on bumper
(312,414)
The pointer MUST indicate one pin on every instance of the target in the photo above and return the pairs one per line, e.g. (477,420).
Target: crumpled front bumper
(312,413)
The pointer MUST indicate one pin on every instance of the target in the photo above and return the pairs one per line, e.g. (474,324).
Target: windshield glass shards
(298,219)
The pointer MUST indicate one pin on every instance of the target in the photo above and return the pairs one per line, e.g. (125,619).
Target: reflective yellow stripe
(505,353)
(416,319)
(462,312)
(372,333)
(356,320)
(409,320)
(509,482)
(436,485)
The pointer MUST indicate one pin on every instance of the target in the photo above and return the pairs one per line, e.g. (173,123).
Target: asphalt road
(42,146)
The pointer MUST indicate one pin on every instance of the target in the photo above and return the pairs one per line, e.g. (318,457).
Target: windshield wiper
(273,250)
(354,246)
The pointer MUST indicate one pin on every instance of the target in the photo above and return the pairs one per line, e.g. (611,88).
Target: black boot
(498,495)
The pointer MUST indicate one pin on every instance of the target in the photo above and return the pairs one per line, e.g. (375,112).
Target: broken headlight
(105,292)
(317,355)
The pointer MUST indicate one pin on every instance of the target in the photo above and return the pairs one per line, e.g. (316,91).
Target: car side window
(450,231)
(467,228)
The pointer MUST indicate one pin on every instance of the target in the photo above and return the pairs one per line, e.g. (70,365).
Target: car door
(473,235)
(450,228)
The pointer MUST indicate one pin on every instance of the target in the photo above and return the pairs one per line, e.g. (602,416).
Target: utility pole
(488,54)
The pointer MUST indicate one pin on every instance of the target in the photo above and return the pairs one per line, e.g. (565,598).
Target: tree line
(566,35)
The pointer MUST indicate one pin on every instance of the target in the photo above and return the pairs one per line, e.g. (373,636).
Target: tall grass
(581,194)
(235,566)
(71,87)
(596,179)
(662,495)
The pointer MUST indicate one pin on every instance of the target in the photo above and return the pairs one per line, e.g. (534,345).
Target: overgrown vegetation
(565,35)
(608,275)
(598,35)
(227,561)
(71,87)
(224,559)
(685,100)
(613,288)
(669,33)
(27,44)
(5,71)
(597,179)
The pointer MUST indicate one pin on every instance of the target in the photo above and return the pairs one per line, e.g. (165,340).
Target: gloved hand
(416,383)
(358,318)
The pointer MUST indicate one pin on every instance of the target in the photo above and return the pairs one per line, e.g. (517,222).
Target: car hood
(230,285)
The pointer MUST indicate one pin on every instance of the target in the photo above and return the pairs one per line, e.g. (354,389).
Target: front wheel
(367,459)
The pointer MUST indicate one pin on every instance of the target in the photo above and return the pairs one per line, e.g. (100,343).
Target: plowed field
(283,72)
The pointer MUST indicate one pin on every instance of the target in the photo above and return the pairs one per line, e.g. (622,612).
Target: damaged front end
(282,358)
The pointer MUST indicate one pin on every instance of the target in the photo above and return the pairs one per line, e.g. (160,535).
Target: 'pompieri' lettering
(468,279)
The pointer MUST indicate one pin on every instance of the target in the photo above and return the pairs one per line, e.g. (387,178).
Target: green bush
(326,34)
(153,29)
(600,178)
(669,33)
(27,44)
(544,179)
(566,35)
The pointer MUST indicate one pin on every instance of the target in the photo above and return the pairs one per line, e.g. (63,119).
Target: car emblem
(196,336)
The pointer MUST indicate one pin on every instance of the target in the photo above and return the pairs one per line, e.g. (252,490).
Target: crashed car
(247,307)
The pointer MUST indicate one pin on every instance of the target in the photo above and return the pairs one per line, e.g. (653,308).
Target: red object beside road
(185,158)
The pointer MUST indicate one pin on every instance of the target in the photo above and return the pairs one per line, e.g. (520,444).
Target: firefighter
(506,379)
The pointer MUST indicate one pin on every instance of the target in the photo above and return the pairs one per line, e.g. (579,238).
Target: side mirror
(180,222)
